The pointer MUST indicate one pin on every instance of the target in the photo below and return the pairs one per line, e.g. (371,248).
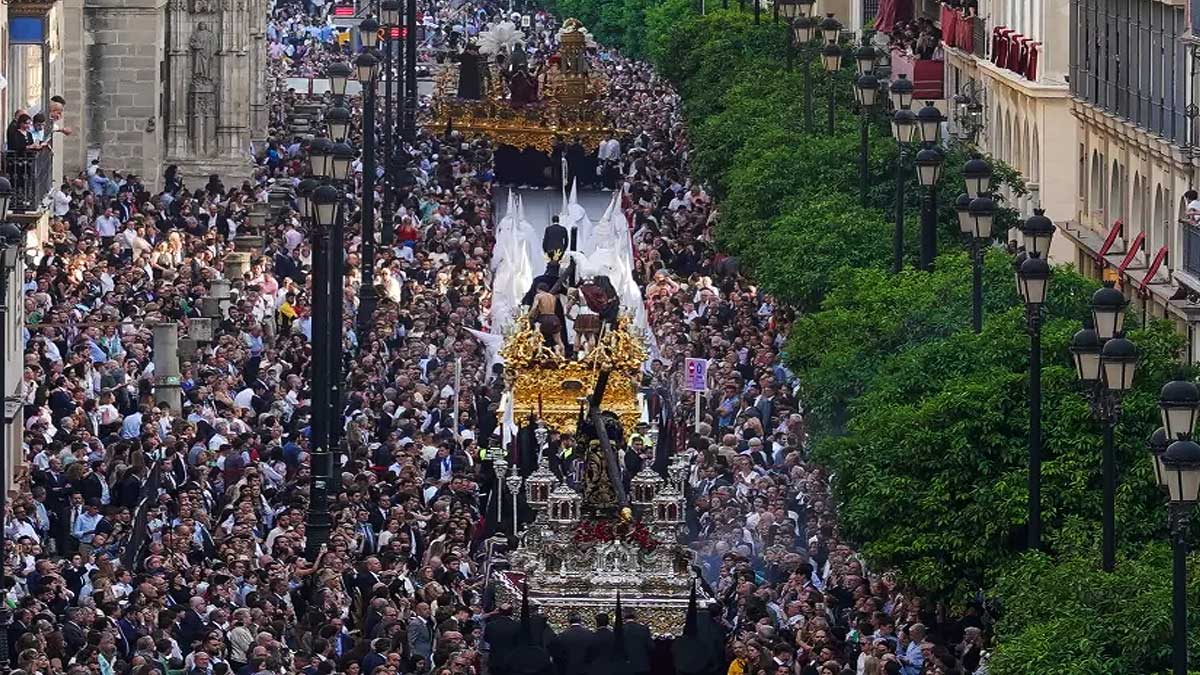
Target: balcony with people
(28,161)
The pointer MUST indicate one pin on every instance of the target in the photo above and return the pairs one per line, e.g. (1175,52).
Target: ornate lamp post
(1181,473)
(831,59)
(866,91)
(802,27)
(929,172)
(410,70)
(1033,275)
(904,124)
(366,67)
(389,11)
(981,212)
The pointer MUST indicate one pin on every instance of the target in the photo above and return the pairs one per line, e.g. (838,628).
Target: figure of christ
(524,88)
(544,317)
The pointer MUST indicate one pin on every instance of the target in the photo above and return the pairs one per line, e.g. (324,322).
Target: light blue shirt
(84,525)
(913,659)
(132,426)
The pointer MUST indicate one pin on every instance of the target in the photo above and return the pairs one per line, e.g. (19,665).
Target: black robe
(470,75)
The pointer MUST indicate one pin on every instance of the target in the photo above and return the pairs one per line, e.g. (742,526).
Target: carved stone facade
(160,82)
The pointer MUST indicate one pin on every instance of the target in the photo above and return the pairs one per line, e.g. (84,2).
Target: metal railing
(30,174)
(1191,249)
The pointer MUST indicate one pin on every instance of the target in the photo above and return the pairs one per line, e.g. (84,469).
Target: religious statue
(203,46)
(599,498)
(470,73)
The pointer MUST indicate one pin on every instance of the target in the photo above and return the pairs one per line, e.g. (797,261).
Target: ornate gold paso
(568,109)
(554,388)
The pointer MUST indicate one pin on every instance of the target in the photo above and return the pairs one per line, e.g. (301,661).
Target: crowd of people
(146,539)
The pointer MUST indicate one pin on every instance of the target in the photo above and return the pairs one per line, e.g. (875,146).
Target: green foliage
(1066,617)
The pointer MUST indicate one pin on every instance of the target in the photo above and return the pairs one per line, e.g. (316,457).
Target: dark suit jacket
(639,646)
(73,636)
(501,635)
(191,628)
(570,649)
(601,647)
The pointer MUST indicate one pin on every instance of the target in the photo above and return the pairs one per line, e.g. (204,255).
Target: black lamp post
(366,66)
(11,241)
(831,59)
(1033,276)
(866,91)
(804,30)
(977,225)
(390,13)
(410,70)
(1105,362)
(929,125)
(322,207)
(904,123)
(1179,468)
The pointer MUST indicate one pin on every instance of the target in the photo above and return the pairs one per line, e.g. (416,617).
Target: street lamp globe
(929,123)
(365,66)
(338,72)
(866,90)
(1158,445)
(804,28)
(389,11)
(904,124)
(1118,359)
(1019,260)
(977,174)
(6,192)
(337,122)
(1085,351)
(983,212)
(1108,311)
(1181,469)
(325,203)
(831,58)
(318,156)
(864,59)
(788,9)
(929,167)
(962,206)
(368,32)
(1179,402)
(304,193)
(343,157)
(1037,231)
(831,29)
(1033,277)
(901,92)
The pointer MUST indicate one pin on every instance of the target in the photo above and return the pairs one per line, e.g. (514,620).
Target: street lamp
(981,212)
(343,157)
(339,73)
(901,92)
(410,70)
(1108,311)
(929,123)
(367,66)
(368,33)
(866,90)
(323,206)
(977,173)
(1106,368)
(929,172)
(831,60)
(803,30)
(390,13)
(1181,473)
(1179,403)
(1033,275)
(904,123)
(318,156)
(337,123)
(1037,231)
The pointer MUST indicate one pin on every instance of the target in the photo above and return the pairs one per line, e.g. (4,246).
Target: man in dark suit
(602,640)
(193,623)
(73,633)
(500,633)
(639,643)
(570,647)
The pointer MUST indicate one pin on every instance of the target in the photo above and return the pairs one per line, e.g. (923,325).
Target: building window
(28,64)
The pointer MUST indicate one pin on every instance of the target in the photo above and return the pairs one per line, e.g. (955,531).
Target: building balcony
(32,176)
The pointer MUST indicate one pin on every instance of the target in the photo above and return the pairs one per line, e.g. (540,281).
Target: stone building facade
(161,82)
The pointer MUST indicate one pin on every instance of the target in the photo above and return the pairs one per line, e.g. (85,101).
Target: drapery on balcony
(1015,52)
(958,29)
(928,75)
(30,174)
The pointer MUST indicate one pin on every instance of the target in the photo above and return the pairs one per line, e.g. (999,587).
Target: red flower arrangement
(588,533)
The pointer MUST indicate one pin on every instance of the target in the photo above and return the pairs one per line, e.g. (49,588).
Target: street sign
(695,377)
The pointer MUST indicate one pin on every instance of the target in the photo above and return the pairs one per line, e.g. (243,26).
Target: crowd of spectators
(145,539)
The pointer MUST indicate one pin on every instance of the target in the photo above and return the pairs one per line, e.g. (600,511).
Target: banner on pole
(695,377)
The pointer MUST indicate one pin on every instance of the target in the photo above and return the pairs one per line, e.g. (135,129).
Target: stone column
(216,303)
(166,364)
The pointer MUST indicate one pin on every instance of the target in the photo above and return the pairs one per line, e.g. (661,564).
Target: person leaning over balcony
(1192,208)
(57,105)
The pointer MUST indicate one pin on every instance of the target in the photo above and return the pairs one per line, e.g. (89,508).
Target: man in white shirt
(106,226)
